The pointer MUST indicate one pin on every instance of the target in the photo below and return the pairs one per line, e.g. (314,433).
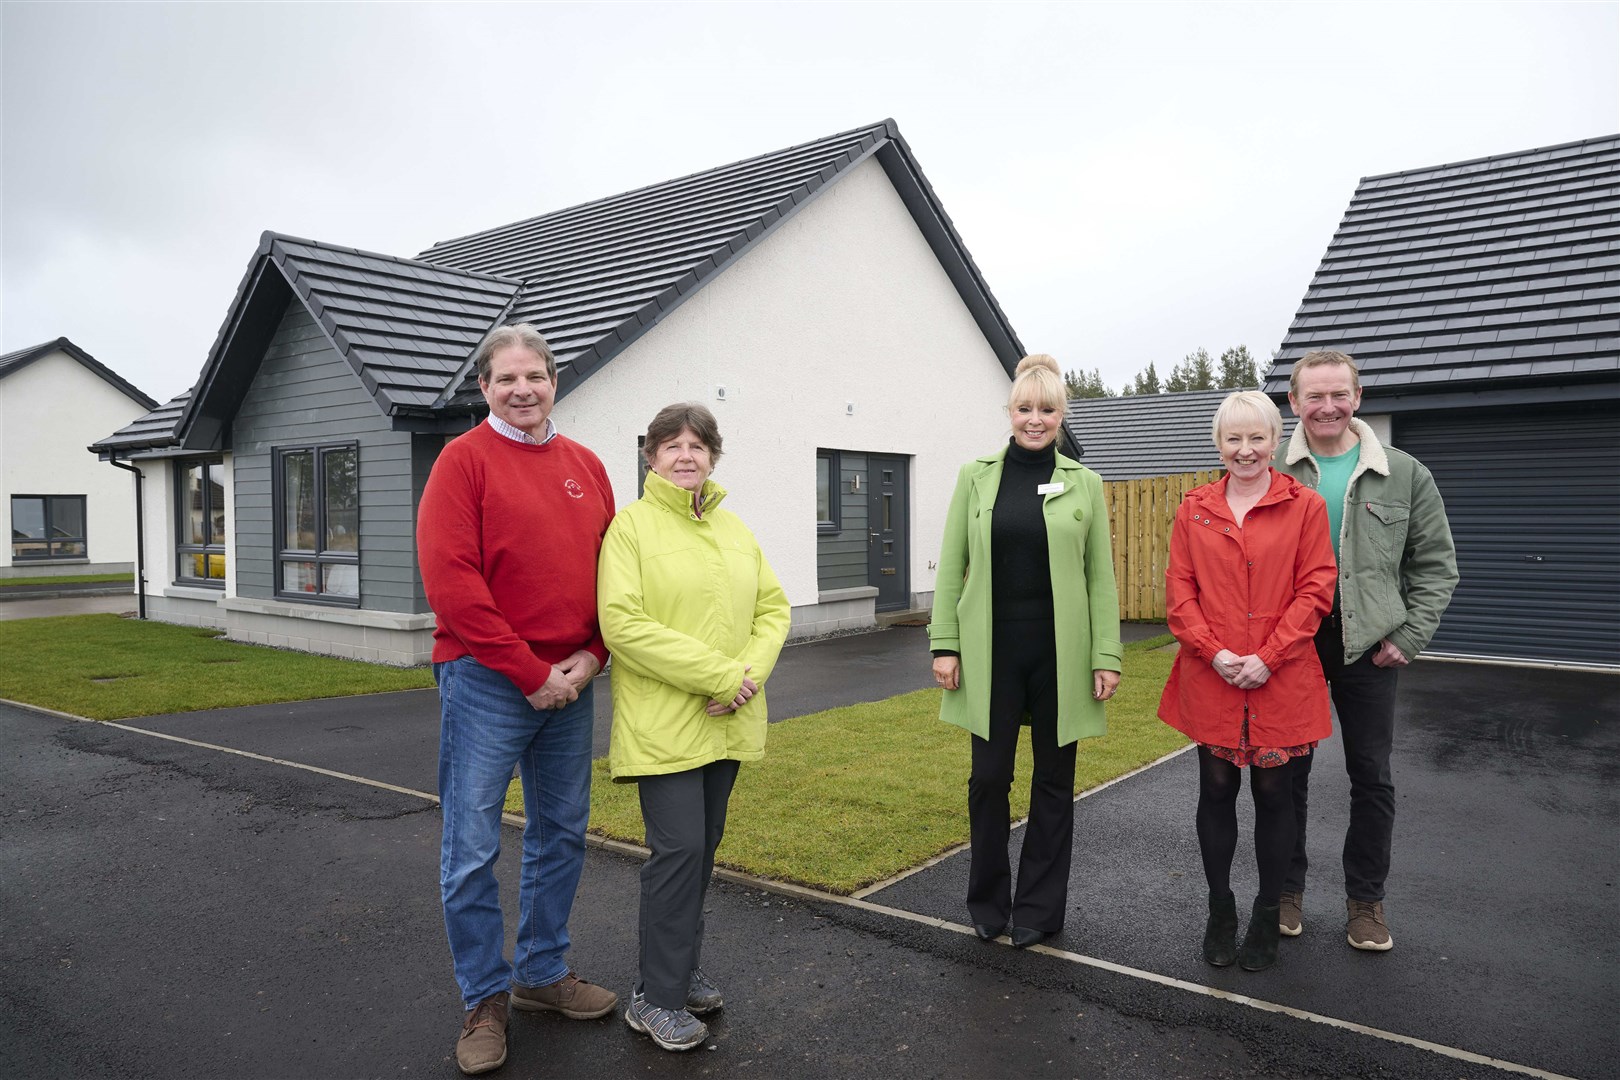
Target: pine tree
(1146,382)
(1238,370)
(1085,384)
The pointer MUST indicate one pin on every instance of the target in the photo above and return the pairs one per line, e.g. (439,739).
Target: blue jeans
(486,727)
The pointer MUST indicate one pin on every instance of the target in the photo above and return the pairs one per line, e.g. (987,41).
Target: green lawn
(851,796)
(70,579)
(106,667)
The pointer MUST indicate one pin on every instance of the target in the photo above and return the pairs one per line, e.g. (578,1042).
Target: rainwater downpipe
(140,534)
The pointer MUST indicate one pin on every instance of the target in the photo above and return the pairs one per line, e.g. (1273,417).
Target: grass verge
(852,796)
(108,668)
(70,579)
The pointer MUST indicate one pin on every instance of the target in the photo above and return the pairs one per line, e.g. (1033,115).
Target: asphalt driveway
(170,910)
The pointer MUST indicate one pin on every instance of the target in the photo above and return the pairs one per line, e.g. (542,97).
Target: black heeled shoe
(1023,937)
(986,932)
(1220,932)
(1259,949)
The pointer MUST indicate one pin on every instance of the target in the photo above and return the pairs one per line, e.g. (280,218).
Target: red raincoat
(1263,589)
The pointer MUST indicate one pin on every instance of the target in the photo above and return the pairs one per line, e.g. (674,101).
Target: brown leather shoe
(570,995)
(482,1046)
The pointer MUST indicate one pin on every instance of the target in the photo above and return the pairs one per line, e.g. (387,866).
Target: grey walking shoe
(673,1029)
(702,997)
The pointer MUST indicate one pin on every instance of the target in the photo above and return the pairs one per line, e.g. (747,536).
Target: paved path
(169,910)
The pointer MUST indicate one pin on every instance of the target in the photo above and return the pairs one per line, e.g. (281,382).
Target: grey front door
(888,531)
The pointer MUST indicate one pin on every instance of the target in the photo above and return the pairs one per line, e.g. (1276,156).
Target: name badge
(1049,489)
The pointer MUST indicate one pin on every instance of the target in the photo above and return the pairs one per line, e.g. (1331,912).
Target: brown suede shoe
(1365,929)
(482,1046)
(1290,922)
(570,995)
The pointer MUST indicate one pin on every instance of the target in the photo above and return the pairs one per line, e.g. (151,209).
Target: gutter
(140,533)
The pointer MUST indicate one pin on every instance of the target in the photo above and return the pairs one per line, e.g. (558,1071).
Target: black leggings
(1274,826)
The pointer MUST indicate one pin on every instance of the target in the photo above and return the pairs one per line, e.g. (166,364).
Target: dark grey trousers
(685,817)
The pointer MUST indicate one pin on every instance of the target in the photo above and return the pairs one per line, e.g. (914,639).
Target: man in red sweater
(507,537)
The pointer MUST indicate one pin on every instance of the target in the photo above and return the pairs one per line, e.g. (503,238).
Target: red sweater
(507,536)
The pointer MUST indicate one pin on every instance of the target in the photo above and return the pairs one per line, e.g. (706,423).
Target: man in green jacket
(1397,569)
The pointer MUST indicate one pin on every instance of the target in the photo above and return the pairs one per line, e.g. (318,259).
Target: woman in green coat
(695,619)
(1025,629)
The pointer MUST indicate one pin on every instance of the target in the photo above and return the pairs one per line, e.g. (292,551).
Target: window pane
(299,577)
(216,505)
(342,580)
(67,518)
(27,518)
(298,503)
(823,489)
(888,511)
(192,492)
(342,501)
(68,549)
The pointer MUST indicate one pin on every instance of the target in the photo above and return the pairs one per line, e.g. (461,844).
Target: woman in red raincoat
(1251,576)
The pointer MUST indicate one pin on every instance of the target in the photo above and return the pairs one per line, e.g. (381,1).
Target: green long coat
(1083,595)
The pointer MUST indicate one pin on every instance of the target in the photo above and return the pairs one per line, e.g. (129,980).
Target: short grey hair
(1249,405)
(522,334)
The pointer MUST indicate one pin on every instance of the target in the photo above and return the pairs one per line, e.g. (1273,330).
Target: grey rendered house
(1481,300)
(791,292)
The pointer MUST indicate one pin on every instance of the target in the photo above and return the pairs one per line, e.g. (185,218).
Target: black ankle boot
(1259,949)
(1220,932)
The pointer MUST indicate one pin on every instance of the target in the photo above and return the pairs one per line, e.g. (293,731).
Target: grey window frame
(185,551)
(834,523)
(48,540)
(321,558)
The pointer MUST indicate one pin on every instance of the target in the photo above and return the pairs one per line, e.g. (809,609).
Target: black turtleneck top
(1020,573)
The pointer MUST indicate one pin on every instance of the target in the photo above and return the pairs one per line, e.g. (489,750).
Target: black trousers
(1364,698)
(1023,680)
(685,817)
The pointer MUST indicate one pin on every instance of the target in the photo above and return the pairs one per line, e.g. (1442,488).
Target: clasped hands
(749,689)
(1244,672)
(568,677)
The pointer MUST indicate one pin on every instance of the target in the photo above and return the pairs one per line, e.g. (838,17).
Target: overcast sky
(1134,180)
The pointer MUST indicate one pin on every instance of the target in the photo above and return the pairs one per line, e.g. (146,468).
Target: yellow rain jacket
(687,606)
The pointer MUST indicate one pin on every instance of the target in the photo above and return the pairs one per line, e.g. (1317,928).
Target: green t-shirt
(1335,482)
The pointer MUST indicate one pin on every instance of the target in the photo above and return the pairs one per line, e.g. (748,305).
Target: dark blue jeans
(1364,698)
(486,727)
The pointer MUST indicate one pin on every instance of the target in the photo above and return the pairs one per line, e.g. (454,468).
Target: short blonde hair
(1321,358)
(1038,380)
(1246,404)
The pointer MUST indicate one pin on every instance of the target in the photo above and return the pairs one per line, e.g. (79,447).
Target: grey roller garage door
(1534,502)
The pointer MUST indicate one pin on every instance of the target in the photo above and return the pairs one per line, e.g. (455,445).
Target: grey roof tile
(1124,438)
(1443,275)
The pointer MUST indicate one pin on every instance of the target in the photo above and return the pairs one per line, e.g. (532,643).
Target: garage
(1533,496)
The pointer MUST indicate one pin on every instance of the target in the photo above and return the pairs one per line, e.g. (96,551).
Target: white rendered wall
(844,303)
(50,411)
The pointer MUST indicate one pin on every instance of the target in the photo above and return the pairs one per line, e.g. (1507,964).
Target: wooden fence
(1139,515)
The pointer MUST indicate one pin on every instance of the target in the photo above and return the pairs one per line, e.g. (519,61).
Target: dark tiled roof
(14,362)
(156,430)
(597,276)
(407,328)
(593,278)
(1449,277)
(1149,434)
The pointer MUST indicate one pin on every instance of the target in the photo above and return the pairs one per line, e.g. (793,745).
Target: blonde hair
(1038,380)
(1246,404)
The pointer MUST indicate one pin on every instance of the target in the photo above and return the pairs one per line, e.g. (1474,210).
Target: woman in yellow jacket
(1026,624)
(695,619)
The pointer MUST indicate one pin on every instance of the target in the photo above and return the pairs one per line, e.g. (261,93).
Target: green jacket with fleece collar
(1397,563)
